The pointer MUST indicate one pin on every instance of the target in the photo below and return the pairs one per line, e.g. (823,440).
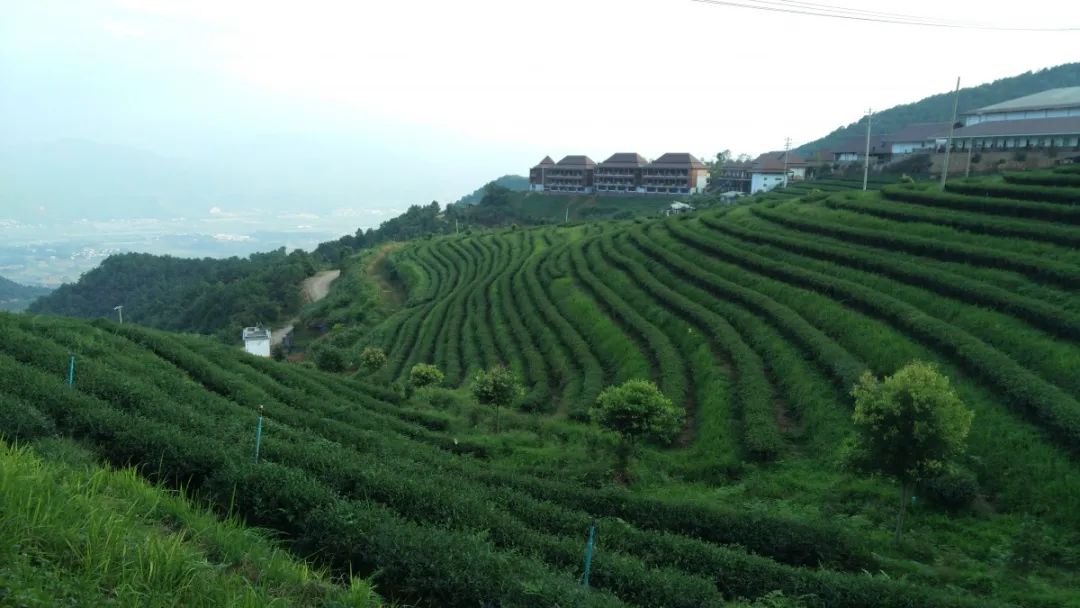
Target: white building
(1052,103)
(767,171)
(1050,119)
(257,341)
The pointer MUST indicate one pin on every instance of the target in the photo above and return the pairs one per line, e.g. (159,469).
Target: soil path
(314,288)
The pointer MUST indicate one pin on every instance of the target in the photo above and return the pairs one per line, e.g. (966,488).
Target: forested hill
(14,296)
(517,183)
(207,296)
(938,108)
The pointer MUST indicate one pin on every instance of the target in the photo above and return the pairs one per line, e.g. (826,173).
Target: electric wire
(838,12)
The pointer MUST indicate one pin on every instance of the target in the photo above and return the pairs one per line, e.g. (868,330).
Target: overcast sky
(448,94)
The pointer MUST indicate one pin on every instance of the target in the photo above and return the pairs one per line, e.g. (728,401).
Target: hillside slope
(208,296)
(755,319)
(938,108)
(15,297)
(79,535)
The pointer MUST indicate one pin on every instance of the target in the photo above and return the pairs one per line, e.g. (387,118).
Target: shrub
(425,374)
(22,421)
(372,358)
(330,358)
(954,489)
(497,387)
(635,411)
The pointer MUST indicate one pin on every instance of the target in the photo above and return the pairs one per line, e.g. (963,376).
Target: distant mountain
(517,183)
(15,297)
(938,108)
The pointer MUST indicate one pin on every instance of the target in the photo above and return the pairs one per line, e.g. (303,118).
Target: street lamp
(120,311)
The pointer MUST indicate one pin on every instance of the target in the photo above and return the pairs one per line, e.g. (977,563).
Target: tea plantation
(755,319)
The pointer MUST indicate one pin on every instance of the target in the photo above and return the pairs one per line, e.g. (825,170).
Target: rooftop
(546,162)
(677,160)
(1064,125)
(578,161)
(1065,97)
(919,131)
(623,160)
(773,162)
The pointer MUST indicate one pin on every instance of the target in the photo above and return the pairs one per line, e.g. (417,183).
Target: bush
(425,374)
(954,489)
(21,421)
(372,358)
(330,358)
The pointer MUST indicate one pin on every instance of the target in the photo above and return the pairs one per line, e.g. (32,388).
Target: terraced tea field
(756,319)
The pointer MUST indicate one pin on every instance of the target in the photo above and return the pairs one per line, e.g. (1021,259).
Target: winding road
(315,288)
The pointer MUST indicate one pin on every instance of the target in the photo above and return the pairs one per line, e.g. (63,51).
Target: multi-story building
(571,174)
(675,173)
(620,173)
(733,176)
(538,174)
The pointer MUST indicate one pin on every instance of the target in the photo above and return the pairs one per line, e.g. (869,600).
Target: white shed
(257,341)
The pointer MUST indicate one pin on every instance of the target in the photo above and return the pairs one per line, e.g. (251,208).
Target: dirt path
(314,288)
(392,292)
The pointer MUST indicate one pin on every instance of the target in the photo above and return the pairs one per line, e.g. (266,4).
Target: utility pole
(120,311)
(787,148)
(948,142)
(866,156)
(566,219)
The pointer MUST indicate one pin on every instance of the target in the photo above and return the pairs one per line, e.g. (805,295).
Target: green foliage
(516,183)
(372,358)
(636,411)
(16,297)
(497,387)
(208,296)
(953,488)
(22,421)
(424,374)
(909,425)
(81,533)
(330,358)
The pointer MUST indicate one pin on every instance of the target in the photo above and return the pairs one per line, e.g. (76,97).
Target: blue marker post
(258,435)
(71,371)
(588,554)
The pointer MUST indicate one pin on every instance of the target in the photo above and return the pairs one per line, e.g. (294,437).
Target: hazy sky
(416,100)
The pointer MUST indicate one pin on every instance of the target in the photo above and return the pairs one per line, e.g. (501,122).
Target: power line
(837,12)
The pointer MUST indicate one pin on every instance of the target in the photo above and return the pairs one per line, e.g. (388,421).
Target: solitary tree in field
(372,358)
(636,411)
(497,387)
(908,427)
(425,374)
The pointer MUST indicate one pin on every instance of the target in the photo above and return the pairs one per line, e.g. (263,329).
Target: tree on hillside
(636,411)
(907,426)
(424,374)
(372,358)
(497,387)
(714,167)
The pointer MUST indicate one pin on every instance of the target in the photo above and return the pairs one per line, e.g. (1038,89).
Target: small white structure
(678,207)
(257,341)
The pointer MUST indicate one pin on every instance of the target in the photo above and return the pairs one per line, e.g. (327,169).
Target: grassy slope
(77,534)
